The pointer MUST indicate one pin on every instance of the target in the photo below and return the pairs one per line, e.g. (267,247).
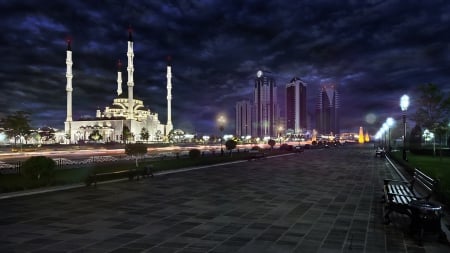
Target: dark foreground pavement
(317,201)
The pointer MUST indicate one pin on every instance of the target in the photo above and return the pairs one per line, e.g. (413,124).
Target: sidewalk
(318,201)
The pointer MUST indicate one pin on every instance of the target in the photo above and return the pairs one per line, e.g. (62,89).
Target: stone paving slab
(324,200)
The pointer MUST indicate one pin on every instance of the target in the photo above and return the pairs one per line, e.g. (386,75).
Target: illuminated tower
(327,111)
(119,78)
(69,76)
(265,105)
(243,118)
(361,135)
(296,105)
(169,125)
(130,69)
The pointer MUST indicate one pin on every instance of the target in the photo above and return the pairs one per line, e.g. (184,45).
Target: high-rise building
(265,105)
(296,112)
(243,118)
(327,110)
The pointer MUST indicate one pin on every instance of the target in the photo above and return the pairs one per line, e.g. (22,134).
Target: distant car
(307,146)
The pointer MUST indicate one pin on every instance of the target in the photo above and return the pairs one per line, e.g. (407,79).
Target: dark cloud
(373,50)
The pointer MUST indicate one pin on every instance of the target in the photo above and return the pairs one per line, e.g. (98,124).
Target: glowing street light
(390,123)
(280,130)
(385,129)
(404,103)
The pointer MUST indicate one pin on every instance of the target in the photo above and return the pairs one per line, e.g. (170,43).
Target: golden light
(361,135)
(366,137)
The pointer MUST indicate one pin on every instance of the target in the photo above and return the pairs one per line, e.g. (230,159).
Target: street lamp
(390,123)
(404,103)
(385,129)
(221,120)
(280,129)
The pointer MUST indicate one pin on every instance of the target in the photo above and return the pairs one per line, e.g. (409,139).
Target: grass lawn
(434,166)
(10,183)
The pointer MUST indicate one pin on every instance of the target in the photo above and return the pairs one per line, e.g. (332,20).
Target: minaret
(69,76)
(169,125)
(130,69)
(119,78)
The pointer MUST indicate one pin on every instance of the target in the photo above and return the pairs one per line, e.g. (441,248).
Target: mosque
(127,116)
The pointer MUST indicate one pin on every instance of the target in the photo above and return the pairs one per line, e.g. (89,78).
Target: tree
(271,143)
(230,145)
(95,136)
(433,106)
(433,109)
(47,134)
(415,138)
(16,125)
(136,150)
(126,133)
(176,135)
(144,134)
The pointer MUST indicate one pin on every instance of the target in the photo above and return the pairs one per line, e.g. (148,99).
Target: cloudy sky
(374,51)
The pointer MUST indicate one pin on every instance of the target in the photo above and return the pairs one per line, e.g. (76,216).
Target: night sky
(374,51)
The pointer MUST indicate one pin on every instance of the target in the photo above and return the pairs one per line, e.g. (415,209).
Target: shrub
(286,147)
(256,148)
(194,153)
(39,169)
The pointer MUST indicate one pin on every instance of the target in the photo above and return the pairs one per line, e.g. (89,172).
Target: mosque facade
(127,119)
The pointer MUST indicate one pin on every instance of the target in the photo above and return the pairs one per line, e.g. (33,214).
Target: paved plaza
(325,200)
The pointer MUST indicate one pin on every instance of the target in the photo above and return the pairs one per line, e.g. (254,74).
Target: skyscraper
(243,118)
(327,110)
(296,112)
(265,102)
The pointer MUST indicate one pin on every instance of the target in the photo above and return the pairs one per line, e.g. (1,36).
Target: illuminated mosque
(126,111)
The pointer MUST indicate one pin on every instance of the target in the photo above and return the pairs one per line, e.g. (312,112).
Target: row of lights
(386,127)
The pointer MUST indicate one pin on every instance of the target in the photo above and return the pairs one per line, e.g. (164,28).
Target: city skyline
(374,51)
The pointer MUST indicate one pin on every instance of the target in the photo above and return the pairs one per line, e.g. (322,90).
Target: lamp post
(404,103)
(221,120)
(390,123)
(385,128)
(280,129)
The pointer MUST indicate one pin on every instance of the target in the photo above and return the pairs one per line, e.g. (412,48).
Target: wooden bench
(399,194)
(131,174)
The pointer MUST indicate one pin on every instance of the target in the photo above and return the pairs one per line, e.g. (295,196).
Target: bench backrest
(427,183)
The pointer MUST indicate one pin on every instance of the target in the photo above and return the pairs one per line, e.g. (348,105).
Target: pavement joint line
(81,185)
